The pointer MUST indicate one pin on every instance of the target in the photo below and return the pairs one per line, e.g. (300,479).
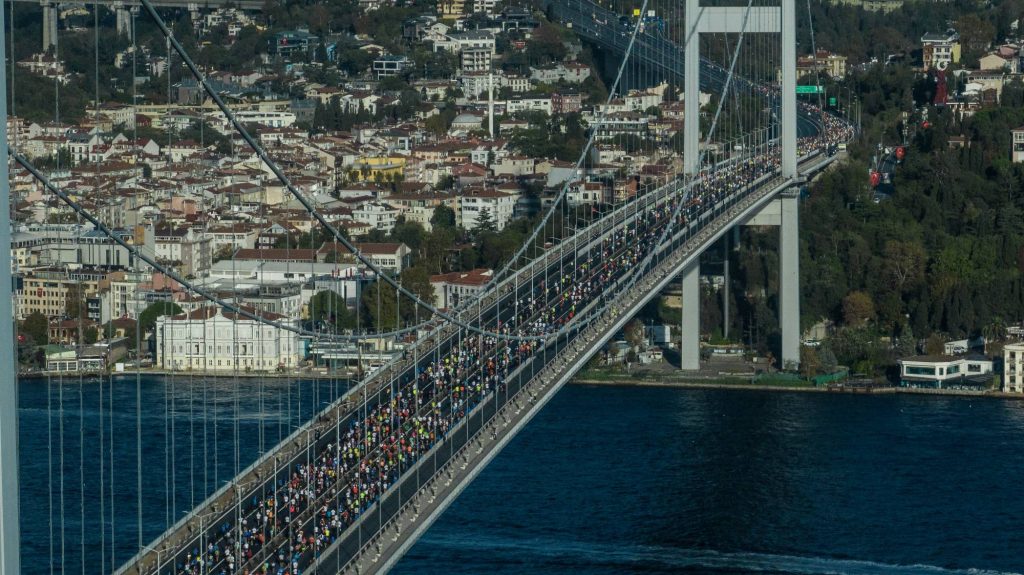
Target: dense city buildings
(430,140)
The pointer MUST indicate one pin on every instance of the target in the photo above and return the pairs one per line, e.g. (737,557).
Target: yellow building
(48,290)
(381,168)
(451,9)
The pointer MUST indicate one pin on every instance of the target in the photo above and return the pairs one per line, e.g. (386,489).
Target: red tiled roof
(378,248)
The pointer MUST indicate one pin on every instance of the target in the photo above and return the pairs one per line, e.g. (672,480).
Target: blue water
(188,429)
(606,480)
(639,480)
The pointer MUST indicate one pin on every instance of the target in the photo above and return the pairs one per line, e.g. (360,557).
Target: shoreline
(192,374)
(624,382)
(887,390)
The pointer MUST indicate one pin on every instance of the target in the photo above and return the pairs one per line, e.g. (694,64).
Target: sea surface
(604,480)
(81,516)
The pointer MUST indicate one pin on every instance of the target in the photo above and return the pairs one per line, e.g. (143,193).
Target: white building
(516,83)
(1017,151)
(940,50)
(184,246)
(387,66)
(453,288)
(962,346)
(379,215)
(945,371)
(1013,368)
(391,257)
(263,118)
(477,84)
(571,72)
(531,104)
(499,205)
(471,40)
(209,339)
(476,60)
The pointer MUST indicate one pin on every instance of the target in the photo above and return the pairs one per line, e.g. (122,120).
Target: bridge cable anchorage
(282,177)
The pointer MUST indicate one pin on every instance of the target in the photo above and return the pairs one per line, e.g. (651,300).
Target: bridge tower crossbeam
(735,20)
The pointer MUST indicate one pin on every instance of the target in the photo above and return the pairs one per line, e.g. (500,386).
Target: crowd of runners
(284,529)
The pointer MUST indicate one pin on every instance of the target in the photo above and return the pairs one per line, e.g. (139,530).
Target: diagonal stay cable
(135,251)
(693,180)
(576,169)
(283,178)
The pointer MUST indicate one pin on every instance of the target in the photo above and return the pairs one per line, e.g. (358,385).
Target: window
(918,370)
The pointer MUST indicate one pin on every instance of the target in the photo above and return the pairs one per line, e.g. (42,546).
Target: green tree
(634,333)
(74,302)
(91,335)
(994,333)
(148,317)
(810,362)
(380,306)
(829,363)
(223,253)
(37,327)
(858,308)
(328,306)
(484,223)
(935,344)
(447,182)
(130,335)
(411,234)
(443,217)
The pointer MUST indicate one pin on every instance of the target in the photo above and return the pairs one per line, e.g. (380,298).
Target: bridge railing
(229,492)
(561,364)
(394,510)
(265,466)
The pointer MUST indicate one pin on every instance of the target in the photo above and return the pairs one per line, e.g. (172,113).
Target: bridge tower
(124,18)
(50,16)
(10,535)
(733,20)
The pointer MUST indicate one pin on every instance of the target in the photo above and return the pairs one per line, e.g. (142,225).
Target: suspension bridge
(352,488)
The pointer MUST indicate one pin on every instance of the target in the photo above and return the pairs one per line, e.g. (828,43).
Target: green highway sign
(810,90)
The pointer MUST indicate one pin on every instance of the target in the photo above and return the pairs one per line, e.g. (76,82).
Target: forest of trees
(942,258)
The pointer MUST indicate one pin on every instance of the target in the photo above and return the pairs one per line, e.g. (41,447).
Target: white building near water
(1013,368)
(210,339)
(945,371)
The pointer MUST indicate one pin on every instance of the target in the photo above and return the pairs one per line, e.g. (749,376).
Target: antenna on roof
(490,103)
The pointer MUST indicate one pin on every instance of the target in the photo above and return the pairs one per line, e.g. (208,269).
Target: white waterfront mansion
(211,339)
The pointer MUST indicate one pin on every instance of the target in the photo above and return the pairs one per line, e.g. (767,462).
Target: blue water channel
(605,480)
(189,427)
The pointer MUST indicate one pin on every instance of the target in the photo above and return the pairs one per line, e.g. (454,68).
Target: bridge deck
(403,520)
(313,438)
(319,433)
